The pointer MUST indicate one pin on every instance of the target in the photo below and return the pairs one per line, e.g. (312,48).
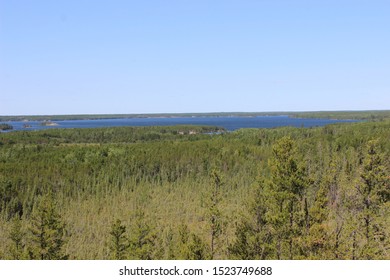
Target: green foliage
(10,204)
(190,195)
(167,246)
(17,237)
(214,215)
(316,244)
(254,235)
(375,115)
(118,243)
(183,240)
(47,232)
(278,212)
(197,249)
(287,189)
(142,238)
(376,182)
(374,191)
(111,135)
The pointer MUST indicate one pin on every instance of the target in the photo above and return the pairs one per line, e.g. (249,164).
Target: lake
(229,123)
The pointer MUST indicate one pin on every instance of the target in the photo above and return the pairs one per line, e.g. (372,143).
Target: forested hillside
(196,193)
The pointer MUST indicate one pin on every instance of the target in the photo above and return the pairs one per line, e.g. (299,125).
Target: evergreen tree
(197,249)
(214,213)
(374,191)
(10,203)
(253,237)
(142,238)
(47,232)
(316,242)
(190,245)
(167,245)
(96,175)
(287,188)
(16,235)
(119,243)
(184,235)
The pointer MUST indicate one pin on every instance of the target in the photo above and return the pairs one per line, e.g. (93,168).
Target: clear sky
(85,57)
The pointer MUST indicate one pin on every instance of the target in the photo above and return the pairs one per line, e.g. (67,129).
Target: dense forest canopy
(188,192)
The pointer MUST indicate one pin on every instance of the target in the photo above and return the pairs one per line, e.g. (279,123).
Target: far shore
(336,115)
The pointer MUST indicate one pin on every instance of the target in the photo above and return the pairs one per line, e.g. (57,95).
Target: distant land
(354,115)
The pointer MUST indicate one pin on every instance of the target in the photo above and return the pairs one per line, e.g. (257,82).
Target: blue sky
(86,57)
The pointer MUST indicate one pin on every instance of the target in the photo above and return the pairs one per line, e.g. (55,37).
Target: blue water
(229,123)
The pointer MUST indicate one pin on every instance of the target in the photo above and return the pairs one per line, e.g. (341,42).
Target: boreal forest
(194,192)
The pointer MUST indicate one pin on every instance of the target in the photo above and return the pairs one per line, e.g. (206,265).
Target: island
(48,123)
(5,126)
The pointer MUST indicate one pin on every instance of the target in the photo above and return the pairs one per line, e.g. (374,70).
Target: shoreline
(336,115)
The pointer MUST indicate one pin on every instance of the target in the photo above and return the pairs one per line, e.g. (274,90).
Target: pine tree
(184,235)
(17,236)
(214,213)
(167,245)
(119,243)
(142,238)
(240,249)
(374,191)
(287,188)
(253,237)
(10,203)
(197,249)
(47,232)
(317,244)
(191,246)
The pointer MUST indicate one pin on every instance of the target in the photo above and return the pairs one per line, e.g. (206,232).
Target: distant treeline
(345,115)
(190,192)
(361,115)
(111,135)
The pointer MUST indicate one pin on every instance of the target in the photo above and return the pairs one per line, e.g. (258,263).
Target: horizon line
(198,113)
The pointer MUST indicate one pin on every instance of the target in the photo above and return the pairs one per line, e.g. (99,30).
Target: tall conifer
(47,232)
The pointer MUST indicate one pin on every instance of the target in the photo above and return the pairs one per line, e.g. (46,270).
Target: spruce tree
(197,249)
(253,237)
(287,188)
(184,235)
(119,243)
(47,231)
(374,191)
(214,213)
(142,238)
(316,244)
(17,236)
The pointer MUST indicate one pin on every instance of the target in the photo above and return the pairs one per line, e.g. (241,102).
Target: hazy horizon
(197,113)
